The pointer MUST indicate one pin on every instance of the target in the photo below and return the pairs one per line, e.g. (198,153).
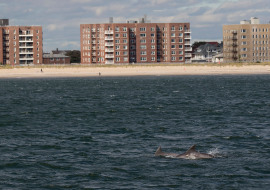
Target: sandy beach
(156,70)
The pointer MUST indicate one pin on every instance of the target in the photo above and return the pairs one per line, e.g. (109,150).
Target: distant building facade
(21,45)
(51,58)
(248,41)
(135,42)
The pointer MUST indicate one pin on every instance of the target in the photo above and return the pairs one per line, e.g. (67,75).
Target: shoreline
(130,70)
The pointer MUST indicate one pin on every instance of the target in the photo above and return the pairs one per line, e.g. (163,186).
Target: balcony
(187,31)
(26,40)
(188,55)
(25,34)
(108,31)
(109,38)
(109,44)
(109,50)
(187,43)
(25,52)
(26,58)
(109,56)
(187,37)
(109,62)
(26,46)
(188,49)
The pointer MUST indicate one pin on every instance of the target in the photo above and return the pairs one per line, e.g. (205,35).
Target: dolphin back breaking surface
(191,153)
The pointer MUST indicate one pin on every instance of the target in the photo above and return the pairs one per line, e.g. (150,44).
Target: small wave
(216,153)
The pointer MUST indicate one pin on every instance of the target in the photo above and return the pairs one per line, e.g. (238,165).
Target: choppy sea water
(102,133)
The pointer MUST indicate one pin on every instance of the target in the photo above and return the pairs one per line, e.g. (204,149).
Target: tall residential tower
(135,42)
(248,41)
(21,45)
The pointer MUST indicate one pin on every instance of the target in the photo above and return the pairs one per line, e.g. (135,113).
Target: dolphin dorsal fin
(191,149)
(159,151)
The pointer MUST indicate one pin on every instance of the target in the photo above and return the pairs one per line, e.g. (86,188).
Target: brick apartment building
(20,45)
(53,58)
(135,42)
(248,41)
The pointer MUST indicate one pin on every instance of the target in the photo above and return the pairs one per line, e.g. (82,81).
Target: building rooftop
(50,55)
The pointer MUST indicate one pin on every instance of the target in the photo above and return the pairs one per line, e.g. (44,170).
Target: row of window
(246,30)
(142,29)
(133,47)
(142,35)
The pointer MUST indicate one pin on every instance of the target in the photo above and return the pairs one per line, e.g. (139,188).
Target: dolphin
(191,153)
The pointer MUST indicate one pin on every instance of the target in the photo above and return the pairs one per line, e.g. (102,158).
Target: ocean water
(102,133)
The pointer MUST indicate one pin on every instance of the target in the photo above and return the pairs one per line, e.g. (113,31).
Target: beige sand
(89,71)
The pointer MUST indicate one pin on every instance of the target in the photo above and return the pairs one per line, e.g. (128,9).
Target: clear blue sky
(61,19)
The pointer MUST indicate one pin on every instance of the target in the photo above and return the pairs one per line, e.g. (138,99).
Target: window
(143,29)
(143,59)
(117,53)
(117,41)
(173,58)
(173,40)
(142,35)
(244,43)
(125,53)
(172,34)
(124,29)
(173,46)
(125,35)
(143,47)
(153,52)
(180,40)
(153,58)
(117,59)
(180,52)
(244,36)
(143,52)
(173,52)
(173,28)
(125,47)
(124,41)
(152,29)
(143,41)
(244,49)
(117,35)
(181,35)
(243,30)
(152,47)
(152,35)
(181,46)
(152,40)
(116,29)
(180,28)
(117,47)
(180,58)
(125,59)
